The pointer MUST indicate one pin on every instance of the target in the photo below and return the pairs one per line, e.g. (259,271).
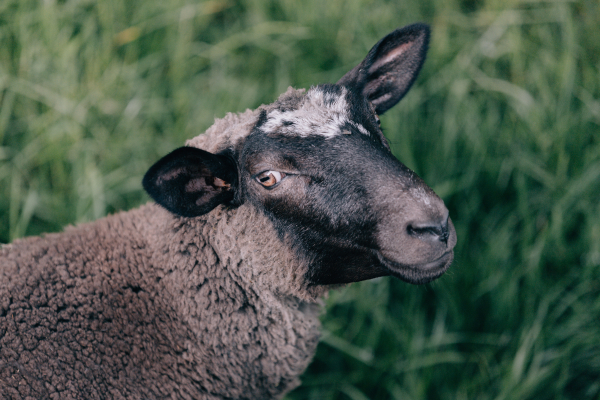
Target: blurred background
(503,123)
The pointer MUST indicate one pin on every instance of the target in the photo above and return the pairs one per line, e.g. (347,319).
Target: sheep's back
(141,305)
(80,319)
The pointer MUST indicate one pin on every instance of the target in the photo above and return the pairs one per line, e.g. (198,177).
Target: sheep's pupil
(269,178)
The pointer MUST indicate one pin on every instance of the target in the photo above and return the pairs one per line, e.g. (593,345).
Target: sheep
(213,291)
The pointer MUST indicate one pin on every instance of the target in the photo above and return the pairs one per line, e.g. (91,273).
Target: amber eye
(269,178)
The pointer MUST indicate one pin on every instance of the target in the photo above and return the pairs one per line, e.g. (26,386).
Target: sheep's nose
(430,231)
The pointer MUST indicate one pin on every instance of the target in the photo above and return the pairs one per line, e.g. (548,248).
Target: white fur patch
(320,113)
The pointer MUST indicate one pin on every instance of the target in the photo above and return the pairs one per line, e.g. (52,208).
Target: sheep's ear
(391,67)
(191,182)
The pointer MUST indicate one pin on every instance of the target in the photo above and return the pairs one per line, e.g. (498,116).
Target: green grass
(504,123)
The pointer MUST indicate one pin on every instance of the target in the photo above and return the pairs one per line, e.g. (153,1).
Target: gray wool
(144,304)
(228,131)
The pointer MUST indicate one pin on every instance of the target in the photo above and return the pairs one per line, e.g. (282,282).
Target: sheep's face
(320,168)
(328,181)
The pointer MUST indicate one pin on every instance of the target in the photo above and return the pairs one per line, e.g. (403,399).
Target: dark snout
(415,235)
(432,231)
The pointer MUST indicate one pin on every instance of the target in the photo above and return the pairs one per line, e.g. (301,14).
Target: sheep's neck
(242,294)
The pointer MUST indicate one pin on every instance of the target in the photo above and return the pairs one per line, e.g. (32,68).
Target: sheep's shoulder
(80,317)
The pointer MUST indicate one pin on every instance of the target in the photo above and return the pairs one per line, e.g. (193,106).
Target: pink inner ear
(389,57)
(196,185)
(380,99)
(170,175)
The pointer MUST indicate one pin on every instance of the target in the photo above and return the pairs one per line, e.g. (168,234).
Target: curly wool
(145,304)
(230,130)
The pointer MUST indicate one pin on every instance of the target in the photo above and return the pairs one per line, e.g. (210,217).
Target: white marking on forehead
(320,113)
(360,128)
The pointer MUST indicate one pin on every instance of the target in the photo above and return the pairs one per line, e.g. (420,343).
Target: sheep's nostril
(429,231)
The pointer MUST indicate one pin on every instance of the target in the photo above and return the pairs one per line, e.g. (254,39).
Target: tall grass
(504,123)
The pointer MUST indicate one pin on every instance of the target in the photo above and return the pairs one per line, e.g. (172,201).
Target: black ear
(191,182)
(391,67)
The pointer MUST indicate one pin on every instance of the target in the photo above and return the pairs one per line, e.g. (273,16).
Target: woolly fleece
(147,305)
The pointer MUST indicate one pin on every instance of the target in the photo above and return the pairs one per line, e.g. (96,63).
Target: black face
(319,167)
(312,201)
(334,198)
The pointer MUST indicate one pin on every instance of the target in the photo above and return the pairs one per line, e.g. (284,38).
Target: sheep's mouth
(418,273)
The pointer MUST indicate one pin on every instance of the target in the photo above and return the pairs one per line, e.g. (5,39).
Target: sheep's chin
(419,273)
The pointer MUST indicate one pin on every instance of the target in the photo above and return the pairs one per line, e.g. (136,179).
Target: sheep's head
(319,167)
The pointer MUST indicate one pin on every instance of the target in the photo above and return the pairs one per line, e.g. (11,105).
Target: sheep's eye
(269,178)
